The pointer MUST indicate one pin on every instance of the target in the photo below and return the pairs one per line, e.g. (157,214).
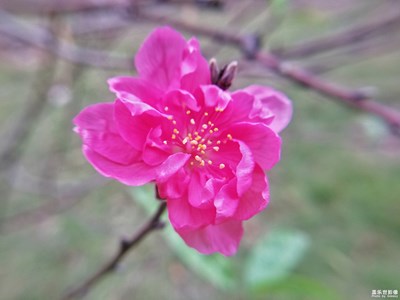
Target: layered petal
(256,198)
(135,121)
(194,69)
(96,126)
(167,61)
(269,102)
(223,238)
(135,89)
(159,58)
(183,215)
(137,173)
(263,142)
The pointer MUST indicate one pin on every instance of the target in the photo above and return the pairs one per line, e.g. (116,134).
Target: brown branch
(45,40)
(249,45)
(39,7)
(125,246)
(344,38)
(353,98)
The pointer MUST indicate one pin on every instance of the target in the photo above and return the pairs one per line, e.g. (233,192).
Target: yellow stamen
(229,136)
(192,121)
(216,148)
(221,166)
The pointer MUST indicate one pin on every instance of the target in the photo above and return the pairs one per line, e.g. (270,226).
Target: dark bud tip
(227,75)
(214,70)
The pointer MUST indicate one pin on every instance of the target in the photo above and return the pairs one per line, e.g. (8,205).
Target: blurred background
(332,229)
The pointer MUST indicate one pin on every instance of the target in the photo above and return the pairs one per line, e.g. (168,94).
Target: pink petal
(154,152)
(223,238)
(159,58)
(134,88)
(201,191)
(96,126)
(137,173)
(215,97)
(171,165)
(226,201)
(175,187)
(271,102)
(255,198)
(237,110)
(183,215)
(134,174)
(194,69)
(263,142)
(244,169)
(134,122)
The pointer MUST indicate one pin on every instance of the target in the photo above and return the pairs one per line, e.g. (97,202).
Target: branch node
(125,244)
(250,45)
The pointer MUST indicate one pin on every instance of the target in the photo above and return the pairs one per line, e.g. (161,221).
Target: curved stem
(125,246)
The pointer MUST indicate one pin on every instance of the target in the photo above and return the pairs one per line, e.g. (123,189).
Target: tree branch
(125,246)
(43,39)
(250,46)
(344,38)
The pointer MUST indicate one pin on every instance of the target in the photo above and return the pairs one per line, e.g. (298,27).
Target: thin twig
(250,45)
(344,38)
(125,246)
(45,40)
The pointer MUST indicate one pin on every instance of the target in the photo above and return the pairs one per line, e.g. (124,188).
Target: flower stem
(125,246)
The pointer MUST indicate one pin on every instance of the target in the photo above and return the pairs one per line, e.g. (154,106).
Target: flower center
(200,137)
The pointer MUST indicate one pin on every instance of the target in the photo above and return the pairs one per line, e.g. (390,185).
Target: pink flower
(206,149)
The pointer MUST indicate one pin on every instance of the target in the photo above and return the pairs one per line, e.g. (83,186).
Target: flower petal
(135,88)
(270,102)
(175,187)
(223,238)
(135,121)
(255,198)
(264,143)
(96,126)
(183,215)
(194,69)
(137,173)
(201,191)
(159,58)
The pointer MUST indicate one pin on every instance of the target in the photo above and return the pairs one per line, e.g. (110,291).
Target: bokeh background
(332,229)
